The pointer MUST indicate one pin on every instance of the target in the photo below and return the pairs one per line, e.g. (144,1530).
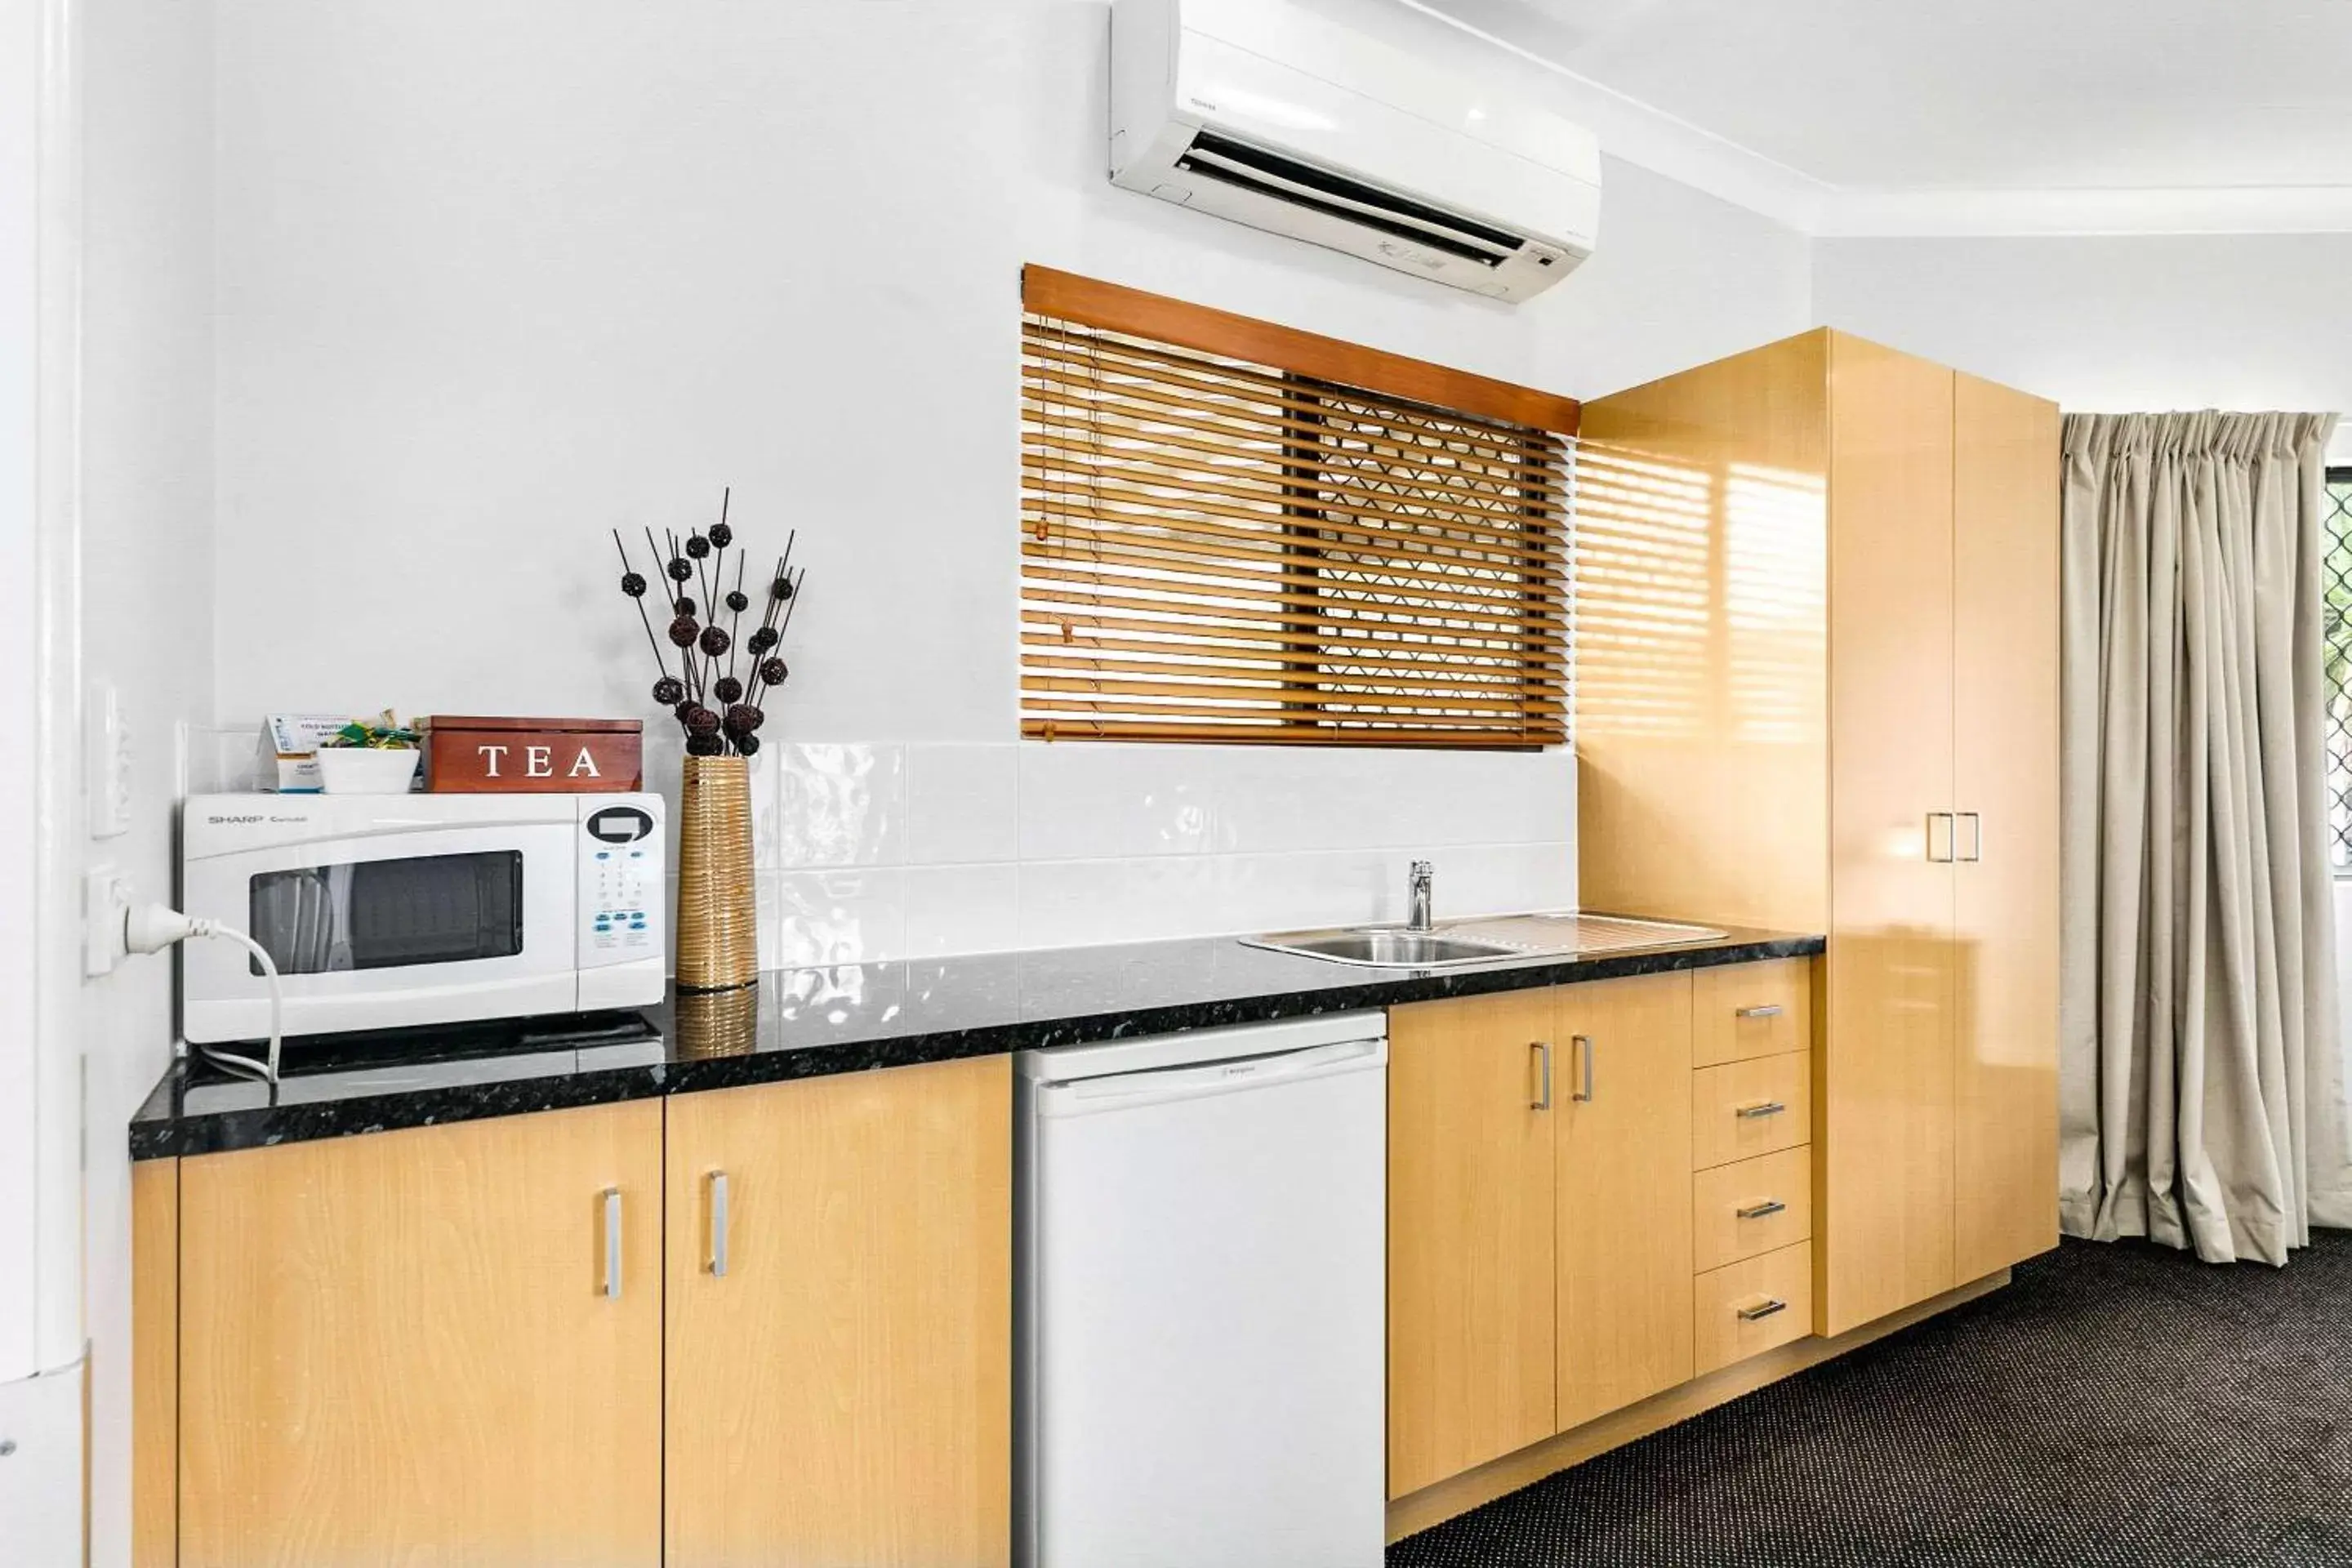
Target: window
(1235,532)
(2336,630)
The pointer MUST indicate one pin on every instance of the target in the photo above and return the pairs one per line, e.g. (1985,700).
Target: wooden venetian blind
(1236,533)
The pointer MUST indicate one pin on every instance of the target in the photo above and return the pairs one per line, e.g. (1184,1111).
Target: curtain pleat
(2201,1079)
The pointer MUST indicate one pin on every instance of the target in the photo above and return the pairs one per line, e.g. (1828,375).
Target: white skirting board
(40,1476)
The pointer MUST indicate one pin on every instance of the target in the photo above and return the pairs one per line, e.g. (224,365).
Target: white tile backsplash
(854,915)
(1096,802)
(963,803)
(840,803)
(925,849)
(961,908)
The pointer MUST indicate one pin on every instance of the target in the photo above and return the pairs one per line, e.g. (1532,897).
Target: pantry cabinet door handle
(1762,1309)
(1758,1211)
(719,1224)
(1761,1109)
(1951,833)
(1542,1102)
(1585,1052)
(611,1244)
(1769,1010)
(1976,836)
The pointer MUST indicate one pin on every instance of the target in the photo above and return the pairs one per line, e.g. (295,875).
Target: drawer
(1741,1109)
(1724,1223)
(1746,1010)
(1748,1308)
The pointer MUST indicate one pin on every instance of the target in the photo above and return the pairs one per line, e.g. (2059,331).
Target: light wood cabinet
(1748,1308)
(550,1339)
(1540,1242)
(1887,1118)
(1745,1109)
(840,1320)
(1817,673)
(1472,1235)
(1755,1205)
(2005,915)
(1739,1011)
(1623,1159)
(441,1345)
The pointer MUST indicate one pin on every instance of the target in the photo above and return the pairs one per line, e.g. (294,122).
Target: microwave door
(429,926)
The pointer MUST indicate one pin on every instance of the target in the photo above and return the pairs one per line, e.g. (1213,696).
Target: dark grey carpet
(2115,1405)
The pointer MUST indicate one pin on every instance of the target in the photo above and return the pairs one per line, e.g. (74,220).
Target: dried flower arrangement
(721,711)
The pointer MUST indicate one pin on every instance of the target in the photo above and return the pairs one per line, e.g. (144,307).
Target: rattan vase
(717,906)
(706,1024)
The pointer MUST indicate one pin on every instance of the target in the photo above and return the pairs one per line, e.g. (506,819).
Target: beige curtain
(2201,1083)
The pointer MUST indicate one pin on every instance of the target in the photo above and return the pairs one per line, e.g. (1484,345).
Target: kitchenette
(814,1273)
(507,1206)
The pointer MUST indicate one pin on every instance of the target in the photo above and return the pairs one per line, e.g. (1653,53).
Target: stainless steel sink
(1490,939)
(1385,949)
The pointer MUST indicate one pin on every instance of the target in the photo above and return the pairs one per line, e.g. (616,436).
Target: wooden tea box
(465,755)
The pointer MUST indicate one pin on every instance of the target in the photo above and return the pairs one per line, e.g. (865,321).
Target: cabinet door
(1624,1192)
(1886,1067)
(424,1346)
(1471,1234)
(2005,575)
(842,1393)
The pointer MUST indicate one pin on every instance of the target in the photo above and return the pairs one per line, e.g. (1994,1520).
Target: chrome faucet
(1419,919)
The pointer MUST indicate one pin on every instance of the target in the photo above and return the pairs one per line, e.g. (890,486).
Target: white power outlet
(106,776)
(105,899)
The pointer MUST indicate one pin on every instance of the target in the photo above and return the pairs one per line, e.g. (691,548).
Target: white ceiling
(2229,105)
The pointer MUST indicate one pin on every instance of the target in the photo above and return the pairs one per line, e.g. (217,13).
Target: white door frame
(41,1318)
(43,1370)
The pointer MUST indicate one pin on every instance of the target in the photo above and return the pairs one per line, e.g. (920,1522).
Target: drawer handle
(1760,1109)
(611,1286)
(1758,1211)
(1769,1010)
(1762,1310)
(717,1225)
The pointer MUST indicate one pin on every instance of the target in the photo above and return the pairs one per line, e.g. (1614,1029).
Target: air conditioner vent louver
(1221,158)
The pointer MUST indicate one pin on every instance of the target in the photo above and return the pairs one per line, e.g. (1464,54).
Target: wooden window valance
(1234,531)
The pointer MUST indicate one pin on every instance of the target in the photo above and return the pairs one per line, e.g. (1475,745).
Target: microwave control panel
(621,885)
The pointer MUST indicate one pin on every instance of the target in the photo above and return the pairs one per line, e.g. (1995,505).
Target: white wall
(2113,324)
(495,279)
(147,585)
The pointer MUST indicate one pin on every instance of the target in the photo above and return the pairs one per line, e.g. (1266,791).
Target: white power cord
(151,928)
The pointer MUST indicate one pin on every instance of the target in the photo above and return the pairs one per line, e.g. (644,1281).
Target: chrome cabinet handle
(611,1244)
(1542,1100)
(1762,1309)
(1585,1051)
(1951,833)
(1976,836)
(1758,1211)
(1770,1010)
(1761,1107)
(719,1224)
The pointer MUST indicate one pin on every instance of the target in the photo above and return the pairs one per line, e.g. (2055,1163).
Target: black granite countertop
(805,1023)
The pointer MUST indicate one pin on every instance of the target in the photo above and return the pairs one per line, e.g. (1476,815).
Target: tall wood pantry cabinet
(1817,611)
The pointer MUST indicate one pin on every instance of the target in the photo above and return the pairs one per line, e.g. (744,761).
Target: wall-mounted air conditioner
(1273,114)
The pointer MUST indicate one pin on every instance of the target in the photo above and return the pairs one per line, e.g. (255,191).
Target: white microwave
(386,911)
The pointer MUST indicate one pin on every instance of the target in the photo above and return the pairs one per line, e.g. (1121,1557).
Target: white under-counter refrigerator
(1200,1287)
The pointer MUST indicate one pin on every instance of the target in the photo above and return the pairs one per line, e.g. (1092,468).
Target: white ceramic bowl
(365,770)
